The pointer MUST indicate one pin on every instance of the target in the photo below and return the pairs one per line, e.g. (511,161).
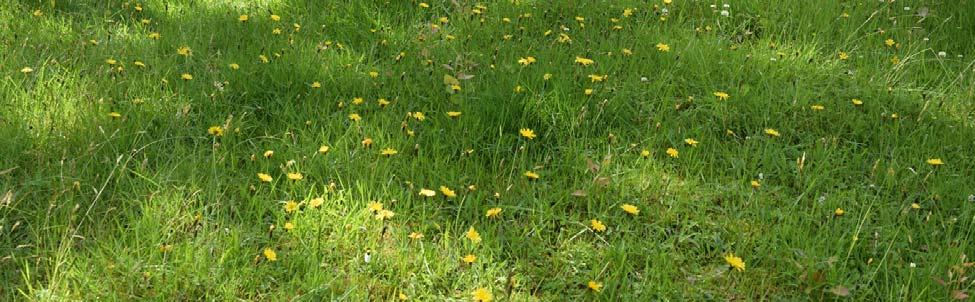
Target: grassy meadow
(515,150)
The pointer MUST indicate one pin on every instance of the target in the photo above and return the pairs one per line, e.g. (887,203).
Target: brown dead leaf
(593,167)
(959,295)
(602,181)
(840,290)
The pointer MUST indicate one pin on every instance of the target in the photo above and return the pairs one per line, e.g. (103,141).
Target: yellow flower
(595,286)
(367,142)
(493,213)
(26,70)
(114,115)
(270,254)
(428,192)
(482,295)
(526,60)
(383,103)
(673,152)
(627,52)
(139,64)
(323,149)
(473,235)
(243,18)
(355,117)
(186,76)
(374,206)
(111,61)
(296,176)
(527,133)
(184,51)
(735,262)
(275,18)
(453,114)
(915,206)
(844,55)
(584,61)
(857,102)
(627,12)
(447,192)
(839,212)
(645,153)
(424,5)
(416,236)
(469,258)
(597,225)
(268,154)
(264,177)
(290,206)
(756,184)
(316,202)
(215,130)
(154,35)
(588,91)
(288,226)
(384,214)
(373,74)
(889,42)
(817,107)
(316,84)
(531,175)
(722,96)
(772,132)
(691,142)
(389,152)
(668,2)
(663,47)
(630,209)
(597,78)
(38,13)
(935,162)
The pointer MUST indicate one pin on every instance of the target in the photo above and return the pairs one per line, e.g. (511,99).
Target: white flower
(726,6)
(942,54)
(725,13)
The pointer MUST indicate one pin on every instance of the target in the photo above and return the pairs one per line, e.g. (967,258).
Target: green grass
(149,206)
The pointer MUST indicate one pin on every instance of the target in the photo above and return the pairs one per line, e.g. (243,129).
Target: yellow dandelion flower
(384,214)
(296,176)
(114,115)
(584,61)
(324,149)
(316,202)
(268,154)
(264,177)
(215,130)
(935,162)
(355,117)
(389,152)
(428,192)
(291,206)
(26,70)
(482,295)
(691,142)
(630,209)
(374,206)
(673,152)
(772,132)
(839,212)
(645,153)
(597,225)
(453,114)
(289,226)
(844,55)
(889,42)
(447,192)
(493,212)
(186,76)
(473,235)
(663,47)
(527,133)
(243,18)
(470,258)
(526,60)
(817,107)
(756,184)
(270,254)
(735,262)
(722,96)
(595,286)
(531,175)
(856,102)
(416,236)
